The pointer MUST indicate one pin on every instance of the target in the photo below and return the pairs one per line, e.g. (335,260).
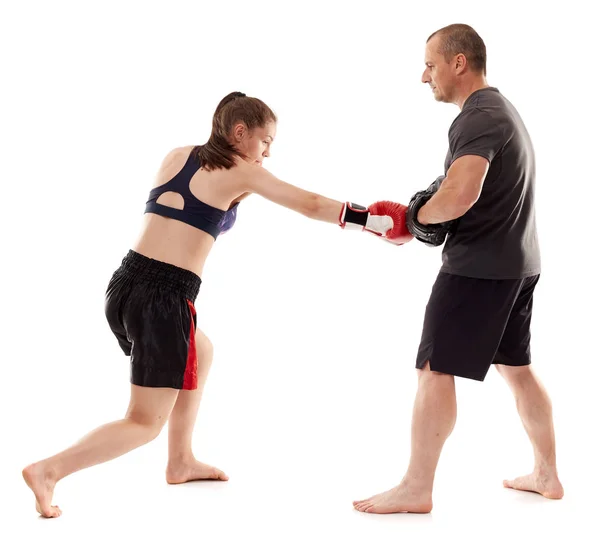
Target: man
(480,307)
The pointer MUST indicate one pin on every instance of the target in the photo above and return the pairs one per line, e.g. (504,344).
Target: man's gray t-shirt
(497,237)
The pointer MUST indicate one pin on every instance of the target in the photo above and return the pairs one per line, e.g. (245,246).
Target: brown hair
(459,38)
(236,107)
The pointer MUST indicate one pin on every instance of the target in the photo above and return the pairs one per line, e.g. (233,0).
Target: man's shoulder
(471,116)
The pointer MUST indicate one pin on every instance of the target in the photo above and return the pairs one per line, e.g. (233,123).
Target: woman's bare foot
(399,499)
(41,481)
(192,470)
(544,483)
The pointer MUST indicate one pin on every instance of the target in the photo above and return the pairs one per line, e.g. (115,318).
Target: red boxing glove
(384,218)
(399,233)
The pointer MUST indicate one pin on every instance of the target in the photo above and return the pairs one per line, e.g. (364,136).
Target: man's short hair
(459,38)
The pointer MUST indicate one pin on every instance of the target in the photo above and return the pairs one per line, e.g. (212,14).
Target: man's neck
(470,87)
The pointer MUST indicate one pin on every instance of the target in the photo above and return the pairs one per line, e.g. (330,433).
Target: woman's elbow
(312,205)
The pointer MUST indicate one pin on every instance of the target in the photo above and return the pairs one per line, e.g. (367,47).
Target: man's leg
(434,416)
(535,409)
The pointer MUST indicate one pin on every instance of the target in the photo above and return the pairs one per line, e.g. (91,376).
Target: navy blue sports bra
(205,217)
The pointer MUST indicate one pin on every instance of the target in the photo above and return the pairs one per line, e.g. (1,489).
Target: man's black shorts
(471,324)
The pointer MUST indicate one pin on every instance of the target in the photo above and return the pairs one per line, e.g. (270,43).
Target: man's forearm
(444,206)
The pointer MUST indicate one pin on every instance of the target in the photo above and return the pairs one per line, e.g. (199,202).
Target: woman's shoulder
(171,164)
(179,151)
(176,155)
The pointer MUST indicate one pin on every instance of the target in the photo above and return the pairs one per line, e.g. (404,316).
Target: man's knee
(514,374)
(426,373)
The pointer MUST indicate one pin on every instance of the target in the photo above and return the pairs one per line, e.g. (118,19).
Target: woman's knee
(150,408)
(152,423)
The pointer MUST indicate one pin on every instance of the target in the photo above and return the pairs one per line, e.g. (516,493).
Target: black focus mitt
(431,234)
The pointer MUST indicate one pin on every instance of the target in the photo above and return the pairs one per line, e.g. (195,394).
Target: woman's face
(256,143)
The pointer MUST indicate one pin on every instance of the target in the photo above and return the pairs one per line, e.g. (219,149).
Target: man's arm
(458,192)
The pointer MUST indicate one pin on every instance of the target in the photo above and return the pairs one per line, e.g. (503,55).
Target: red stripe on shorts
(190,377)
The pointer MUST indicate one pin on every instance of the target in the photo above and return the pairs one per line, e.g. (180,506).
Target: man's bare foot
(192,470)
(544,483)
(41,481)
(399,499)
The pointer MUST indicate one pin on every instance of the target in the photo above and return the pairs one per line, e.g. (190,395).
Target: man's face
(438,73)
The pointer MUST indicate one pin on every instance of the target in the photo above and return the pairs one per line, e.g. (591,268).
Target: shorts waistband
(181,280)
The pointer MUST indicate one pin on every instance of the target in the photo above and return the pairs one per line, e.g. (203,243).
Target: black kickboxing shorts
(471,324)
(150,309)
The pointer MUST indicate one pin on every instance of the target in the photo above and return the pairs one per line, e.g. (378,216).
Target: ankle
(49,470)
(181,458)
(547,468)
(418,482)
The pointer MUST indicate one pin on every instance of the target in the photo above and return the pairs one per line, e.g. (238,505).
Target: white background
(309,401)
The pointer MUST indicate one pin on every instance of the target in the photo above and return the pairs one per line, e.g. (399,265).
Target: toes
(363,506)
(51,512)
(215,473)
(366,505)
(520,485)
(199,471)
(513,484)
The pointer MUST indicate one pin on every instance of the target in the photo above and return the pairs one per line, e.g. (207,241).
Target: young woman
(150,298)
